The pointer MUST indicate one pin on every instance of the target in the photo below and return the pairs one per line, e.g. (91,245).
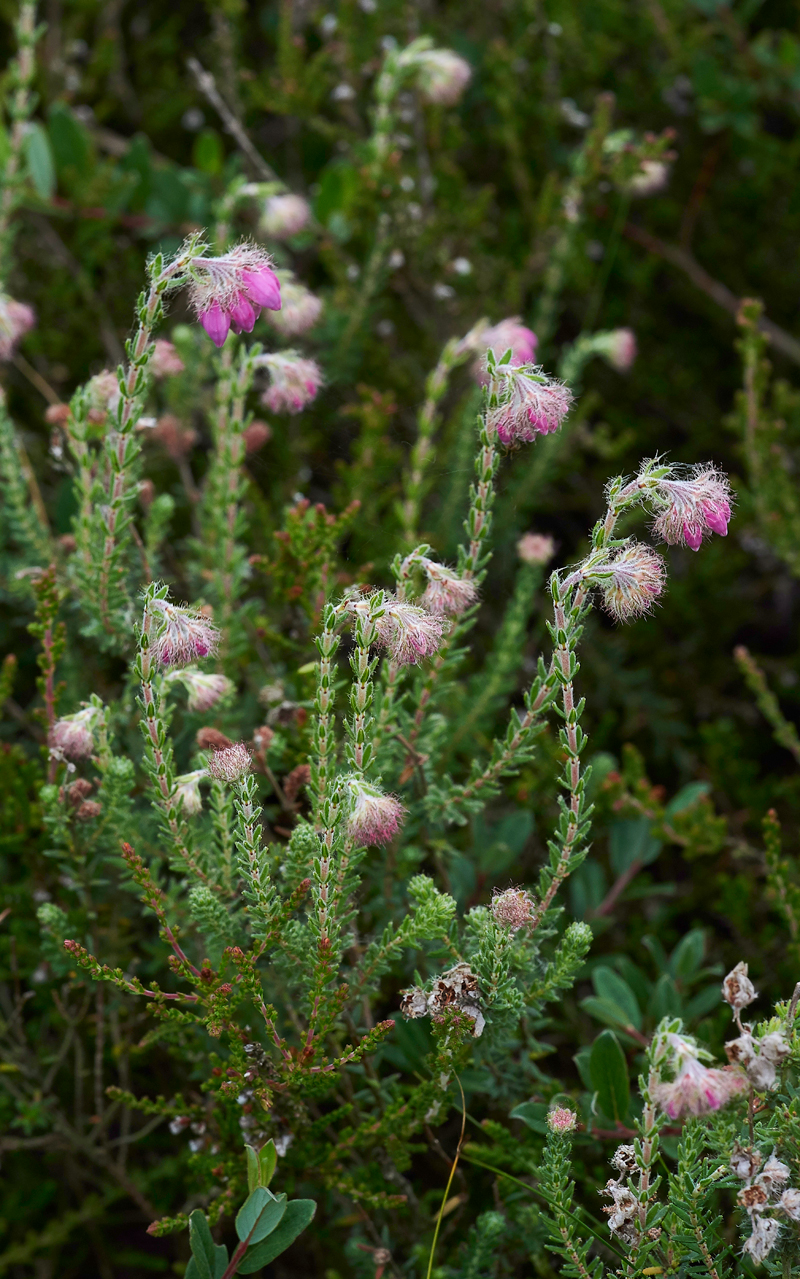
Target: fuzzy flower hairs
(524,401)
(228,292)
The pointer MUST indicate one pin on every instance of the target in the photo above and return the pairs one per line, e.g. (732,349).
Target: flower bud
(737,988)
(230,764)
(562,1120)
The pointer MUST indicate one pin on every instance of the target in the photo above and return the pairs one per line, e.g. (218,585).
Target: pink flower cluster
(300,309)
(230,764)
(409,633)
(527,403)
(294,381)
(374,817)
(228,292)
(442,75)
(72,736)
(183,636)
(204,690)
(446,592)
(509,335)
(562,1120)
(514,908)
(634,581)
(284,215)
(693,507)
(536,548)
(696,1089)
(16,318)
(165,360)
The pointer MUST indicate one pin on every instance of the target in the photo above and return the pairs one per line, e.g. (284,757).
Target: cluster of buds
(695,1089)
(509,335)
(16,319)
(373,817)
(165,361)
(523,400)
(514,908)
(183,636)
(763,1195)
(72,736)
(457,988)
(618,346)
(561,1120)
(204,690)
(299,311)
(228,292)
(176,438)
(408,632)
(689,508)
(536,548)
(630,580)
(230,764)
(284,215)
(294,381)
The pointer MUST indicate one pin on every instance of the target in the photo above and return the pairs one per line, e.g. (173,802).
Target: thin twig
(230,122)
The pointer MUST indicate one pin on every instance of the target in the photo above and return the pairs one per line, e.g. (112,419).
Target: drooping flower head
(688,509)
(230,764)
(631,581)
(524,402)
(509,335)
(187,791)
(737,988)
(374,818)
(514,908)
(446,592)
(696,1089)
(294,381)
(410,633)
(300,310)
(442,75)
(536,548)
(204,690)
(16,319)
(184,635)
(618,346)
(561,1120)
(652,177)
(228,292)
(72,736)
(284,215)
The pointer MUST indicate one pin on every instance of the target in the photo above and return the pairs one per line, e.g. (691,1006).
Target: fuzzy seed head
(294,381)
(618,346)
(536,548)
(184,635)
(687,510)
(103,392)
(635,581)
(790,1203)
(513,908)
(284,215)
(652,177)
(562,1120)
(88,810)
(414,1003)
(528,403)
(300,310)
(230,764)
(374,817)
(446,592)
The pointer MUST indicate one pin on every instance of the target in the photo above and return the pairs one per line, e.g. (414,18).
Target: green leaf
(615,990)
(606,1012)
(40,161)
(208,153)
(220,1260)
(685,797)
(68,138)
(267,1159)
(202,1245)
(259,1214)
(609,1073)
(253,1178)
(298,1215)
(630,841)
(191,1271)
(687,956)
(532,1113)
(703,1002)
(666,1000)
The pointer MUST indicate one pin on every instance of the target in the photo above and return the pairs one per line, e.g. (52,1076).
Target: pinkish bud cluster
(374,818)
(737,988)
(561,1120)
(16,319)
(228,292)
(300,310)
(696,1089)
(442,75)
(409,633)
(688,509)
(631,581)
(165,361)
(446,592)
(230,764)
(284,215)
(72,736)
(618,346)
(103,392)
(528,403)
(184,635)
(294,381)
(536,548)
(509,335)
(514,908)
(204,690)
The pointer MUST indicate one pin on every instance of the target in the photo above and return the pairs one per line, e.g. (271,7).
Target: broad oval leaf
(269,1219)
(532,1113)
(299,1214)
(202,1245)
(253,1178)
(687,956)
(267,1159)
(609,1073)
(615,990)
(248,1215)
